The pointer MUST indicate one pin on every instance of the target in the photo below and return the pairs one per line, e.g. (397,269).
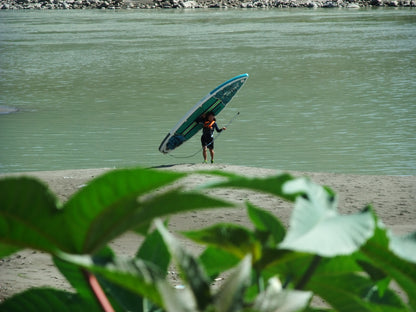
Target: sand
(392,197)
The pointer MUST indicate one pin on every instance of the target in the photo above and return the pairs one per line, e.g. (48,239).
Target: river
(330,90)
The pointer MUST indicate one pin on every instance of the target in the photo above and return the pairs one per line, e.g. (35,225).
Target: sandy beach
(392,197)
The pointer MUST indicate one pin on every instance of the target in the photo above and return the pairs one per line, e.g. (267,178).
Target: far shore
(392,197)
(197,4)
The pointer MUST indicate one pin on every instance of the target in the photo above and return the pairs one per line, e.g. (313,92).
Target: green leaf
(284,263)
(154,250)
(74,275)
(232,238)
(6,250)
(29,216)
(377,251)
(216,260)
(104,209)
(192,271)
(352,292)
(230,297)
(316,227)
(382,285)
(272,185)
(267,223)
(109,206)
(374,272)
(276,299)
(123,299)
(343,284)
(135,275)
(176,201)
(46,299)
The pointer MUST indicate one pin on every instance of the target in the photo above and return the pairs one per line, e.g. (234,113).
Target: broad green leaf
(230,296)
(272,185)
(267,223)
(6,250)
(176,201)
(216,260)
(46,299)
(74,275)
(123,299)
(379,277)
(230,237)
(154,250)
(29,216)
(192,271)
(316,227)
(135,275)
(354,292)
(289,265)
(108,206)
(374,272)
(343,284)
(276,299)
(77,278)
(93,216)
(377,251)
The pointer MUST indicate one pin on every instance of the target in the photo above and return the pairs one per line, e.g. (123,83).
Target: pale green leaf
(229,297)
(404,246)
(192,271)
(316,227)
(276,299)
(176,300)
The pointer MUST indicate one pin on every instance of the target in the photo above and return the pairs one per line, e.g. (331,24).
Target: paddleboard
(215,102)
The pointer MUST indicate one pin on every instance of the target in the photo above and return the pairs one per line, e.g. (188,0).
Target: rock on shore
(193,4)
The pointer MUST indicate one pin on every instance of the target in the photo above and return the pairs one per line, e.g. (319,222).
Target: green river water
(330,90)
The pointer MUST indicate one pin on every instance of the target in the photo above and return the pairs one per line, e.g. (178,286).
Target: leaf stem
(309,272)
(98,292)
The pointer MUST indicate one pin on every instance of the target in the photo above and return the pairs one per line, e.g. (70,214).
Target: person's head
(211,116)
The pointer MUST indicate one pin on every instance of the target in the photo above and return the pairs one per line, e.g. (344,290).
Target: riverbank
(392,198)
(195,4)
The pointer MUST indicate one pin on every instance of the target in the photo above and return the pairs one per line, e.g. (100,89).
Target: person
(207,139)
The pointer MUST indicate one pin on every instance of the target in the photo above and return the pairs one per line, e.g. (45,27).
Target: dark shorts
(208,142)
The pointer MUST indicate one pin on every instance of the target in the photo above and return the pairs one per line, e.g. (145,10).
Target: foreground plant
(348,260)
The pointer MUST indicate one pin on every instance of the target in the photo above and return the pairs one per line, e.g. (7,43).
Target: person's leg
(204,148)
(204,153)
(211,151)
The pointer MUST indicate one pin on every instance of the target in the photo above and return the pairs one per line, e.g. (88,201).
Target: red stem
(98,292)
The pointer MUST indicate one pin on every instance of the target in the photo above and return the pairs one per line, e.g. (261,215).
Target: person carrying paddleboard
(207,139)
